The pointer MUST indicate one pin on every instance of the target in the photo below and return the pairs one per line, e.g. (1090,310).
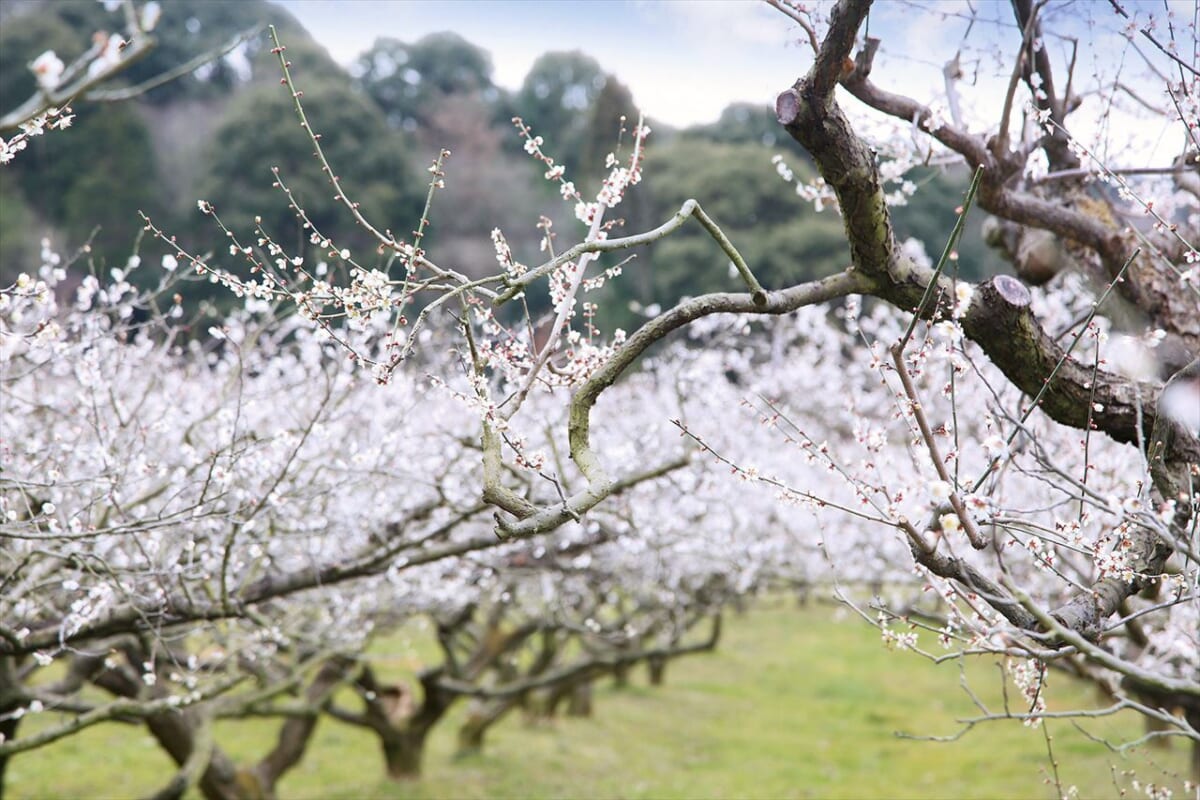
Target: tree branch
(999,319)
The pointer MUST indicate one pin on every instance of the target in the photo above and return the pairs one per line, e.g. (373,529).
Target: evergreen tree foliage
(22,40)
(556,99)
(18,233)
(747,123)
(930,214)
(408,81)
(189,27)
(765,219)
(259,131)
(94,175)
(779,235)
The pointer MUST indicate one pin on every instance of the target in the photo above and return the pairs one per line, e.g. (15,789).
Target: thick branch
(296,732)
(579,424)
(583,667)
(1037,59)
(181,608)
(999,319)
(1141,286)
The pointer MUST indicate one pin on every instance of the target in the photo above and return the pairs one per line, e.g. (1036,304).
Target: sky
(685,60)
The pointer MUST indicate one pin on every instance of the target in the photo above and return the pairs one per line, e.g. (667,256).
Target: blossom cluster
(1017,474)
(55,119)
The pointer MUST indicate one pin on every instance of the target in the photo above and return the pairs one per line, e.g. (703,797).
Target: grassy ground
(793,705)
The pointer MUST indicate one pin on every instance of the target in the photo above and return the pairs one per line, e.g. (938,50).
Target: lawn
(794,704)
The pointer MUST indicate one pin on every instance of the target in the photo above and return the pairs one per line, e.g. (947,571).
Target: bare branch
(1150,38)
(798,16)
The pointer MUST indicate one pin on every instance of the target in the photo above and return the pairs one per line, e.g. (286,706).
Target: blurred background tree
(930,215)
(777,232)
(556,98)
(188,27)
(216,133)
(746,123)
(369,158)
(410,81)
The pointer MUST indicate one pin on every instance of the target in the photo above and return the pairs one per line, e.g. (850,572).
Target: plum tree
(201,525)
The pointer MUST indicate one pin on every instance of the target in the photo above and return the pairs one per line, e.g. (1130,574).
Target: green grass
(794,704)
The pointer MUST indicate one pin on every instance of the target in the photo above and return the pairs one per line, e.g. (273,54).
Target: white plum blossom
(151,13)
(109,57)
(1037,165)
(963,294)
(48,69)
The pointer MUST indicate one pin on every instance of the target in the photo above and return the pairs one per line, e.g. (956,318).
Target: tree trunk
(389,714)
(470,737)
(403,752)
(8,730)
(1195,763)
(481,716)
(1153,725)
(542,705)
(296,732)
(10,701)
(621,675)
(657,667)
(175,732)
(1193,718)
(580,701)
(220,780)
